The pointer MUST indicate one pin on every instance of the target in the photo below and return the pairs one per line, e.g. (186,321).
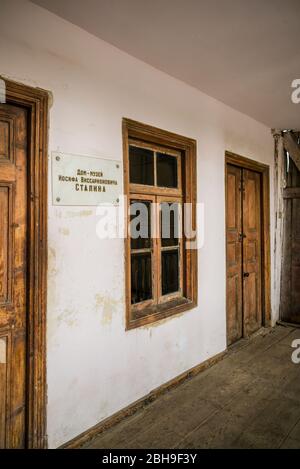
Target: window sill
(156,313)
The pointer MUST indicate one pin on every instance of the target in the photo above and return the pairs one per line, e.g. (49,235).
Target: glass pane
(141,285)
(170,271)
(140,224)
(169,223)
(166,170)
(141,165)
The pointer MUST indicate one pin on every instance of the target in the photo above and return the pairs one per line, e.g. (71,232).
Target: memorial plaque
(84,180)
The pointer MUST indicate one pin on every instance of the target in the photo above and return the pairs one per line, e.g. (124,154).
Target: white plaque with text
(84,180)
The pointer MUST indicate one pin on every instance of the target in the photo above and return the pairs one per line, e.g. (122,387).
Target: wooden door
(290,285)
(13,246)
(252,300)
(290,274)
(234,254)
(291,290)
(243,251)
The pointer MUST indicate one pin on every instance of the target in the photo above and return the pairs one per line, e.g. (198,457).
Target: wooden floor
(251,399)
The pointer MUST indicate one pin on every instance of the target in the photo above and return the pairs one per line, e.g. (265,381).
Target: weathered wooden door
(234,254)
(13,246)
(290,282)
(243,233)
(252,300)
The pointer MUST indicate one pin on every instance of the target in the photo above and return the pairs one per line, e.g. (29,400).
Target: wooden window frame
(178,294)
(36,102)
(147,189)
(141,306)
(185,148)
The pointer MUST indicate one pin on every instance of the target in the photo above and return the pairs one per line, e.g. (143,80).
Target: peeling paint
(68,317)
(64,231)
(108,306)
(51,293)
(52,270)
(80,214)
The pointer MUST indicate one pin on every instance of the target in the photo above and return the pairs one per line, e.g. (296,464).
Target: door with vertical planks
(252,299)
(243,252)
(234,254)
(290,274)
(13,247)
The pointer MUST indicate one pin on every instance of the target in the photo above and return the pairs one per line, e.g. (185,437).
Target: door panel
(290,284)
(234,254)
(252,252)
(295,291)
(13,226)
(5,268)
(243,251)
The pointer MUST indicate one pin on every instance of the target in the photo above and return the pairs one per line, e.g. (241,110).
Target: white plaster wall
(96,368)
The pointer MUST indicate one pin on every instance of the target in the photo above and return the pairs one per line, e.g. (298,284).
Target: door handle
(242,236)
(246,274)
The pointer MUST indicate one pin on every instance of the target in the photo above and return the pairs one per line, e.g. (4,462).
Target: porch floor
(250,399)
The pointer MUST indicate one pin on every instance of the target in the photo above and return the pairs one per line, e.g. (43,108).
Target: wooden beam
(291,145)
(279,184)
(291,193)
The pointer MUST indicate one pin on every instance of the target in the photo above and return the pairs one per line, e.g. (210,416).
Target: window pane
(166,170)
(141,165)
(140,224)
(141,284)
(170,271)
(169,223)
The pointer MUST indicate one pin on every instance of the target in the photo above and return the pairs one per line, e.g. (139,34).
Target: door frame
(36,102)
(264,170)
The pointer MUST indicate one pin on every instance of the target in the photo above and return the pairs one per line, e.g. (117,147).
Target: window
(160,183)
